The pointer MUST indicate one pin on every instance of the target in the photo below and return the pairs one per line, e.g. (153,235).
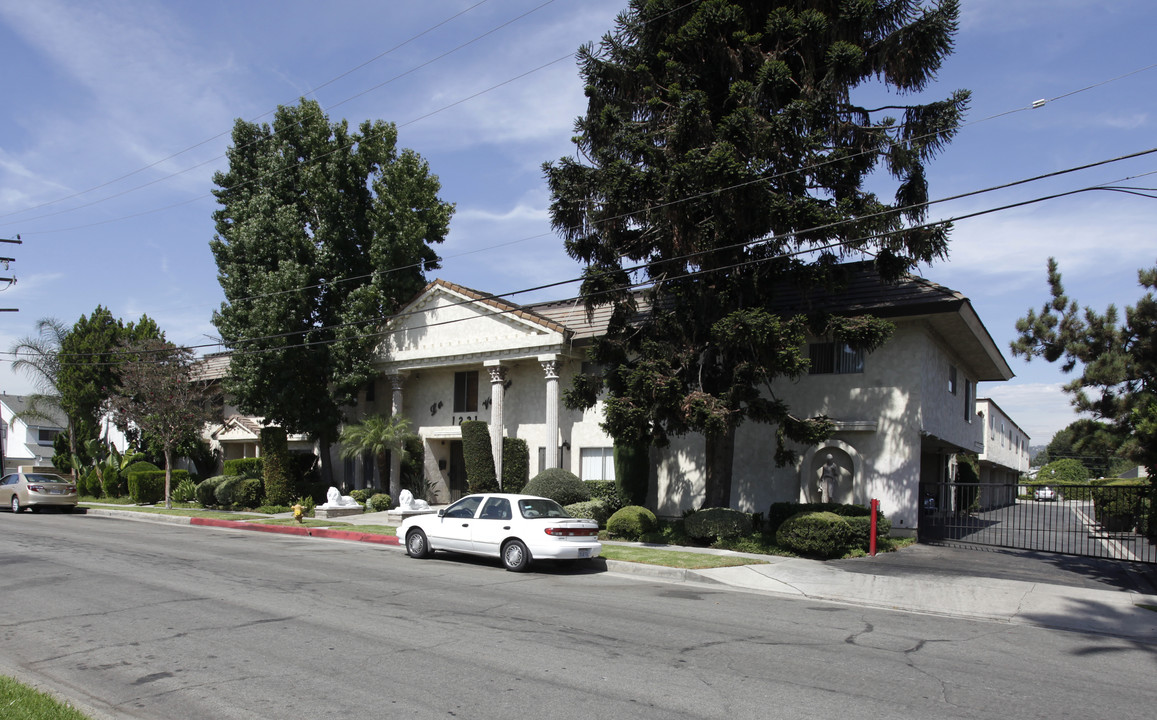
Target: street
(144,620)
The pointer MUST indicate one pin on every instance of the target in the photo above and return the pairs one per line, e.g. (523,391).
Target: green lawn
(20,702)
(675,558)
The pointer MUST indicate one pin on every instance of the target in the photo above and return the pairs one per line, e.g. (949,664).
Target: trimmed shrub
(228,492)
(632,522)
(562,486)
(147,487)
(862,529)
(515,464)
(632,471)
(1119,507)
(596,510)
(185,491)
(716,523)
(1064,472)
(816,534)
(275,466)
(379,502)
(362,494)
(608,492)
(250,494)
(206,493)
(478,457)
(780,512)
(249,467)
(89,483)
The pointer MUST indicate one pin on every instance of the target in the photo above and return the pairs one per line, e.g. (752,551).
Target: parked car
(1044,493)
(519,529)
(36,490)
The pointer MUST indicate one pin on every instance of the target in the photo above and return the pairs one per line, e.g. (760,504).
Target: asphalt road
(141,620)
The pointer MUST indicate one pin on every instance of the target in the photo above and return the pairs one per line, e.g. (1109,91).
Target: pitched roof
(20,403)
(503,306)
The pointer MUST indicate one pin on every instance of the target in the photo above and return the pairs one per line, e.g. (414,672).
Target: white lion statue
(407,502)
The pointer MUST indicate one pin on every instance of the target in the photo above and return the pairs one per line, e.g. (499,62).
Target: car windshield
(39,478)
(540,508)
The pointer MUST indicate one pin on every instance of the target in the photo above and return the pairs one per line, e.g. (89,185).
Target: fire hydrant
(299,513)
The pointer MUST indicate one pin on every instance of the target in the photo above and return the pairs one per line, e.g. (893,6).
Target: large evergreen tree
(721,139)
(1116,359)
(322,233)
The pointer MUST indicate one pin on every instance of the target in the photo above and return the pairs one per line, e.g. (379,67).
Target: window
(542,458)
(466,391)
(496,509)
(46,436)
(968,400)
(952,379)
(834,358)
(597,463)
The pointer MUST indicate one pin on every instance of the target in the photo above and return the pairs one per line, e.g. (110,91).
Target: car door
(452,530)
(7,488)
(492,526)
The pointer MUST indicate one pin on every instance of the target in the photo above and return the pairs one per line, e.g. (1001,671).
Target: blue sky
(117,113)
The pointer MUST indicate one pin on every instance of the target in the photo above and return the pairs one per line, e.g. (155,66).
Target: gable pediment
(448,322)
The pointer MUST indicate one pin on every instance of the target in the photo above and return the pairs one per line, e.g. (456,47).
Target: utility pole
(4,261)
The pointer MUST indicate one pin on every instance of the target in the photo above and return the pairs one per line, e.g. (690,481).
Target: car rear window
(45,478)
(536,508)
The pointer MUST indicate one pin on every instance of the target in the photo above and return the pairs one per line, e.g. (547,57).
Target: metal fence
(1117,521)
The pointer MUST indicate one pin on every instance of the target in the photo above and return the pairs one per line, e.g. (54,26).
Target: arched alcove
(847,476)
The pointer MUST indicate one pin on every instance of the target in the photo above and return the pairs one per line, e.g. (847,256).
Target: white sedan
(517,528)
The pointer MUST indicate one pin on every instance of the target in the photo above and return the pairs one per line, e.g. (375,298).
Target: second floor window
(46,436)
(834,358)
(466,391)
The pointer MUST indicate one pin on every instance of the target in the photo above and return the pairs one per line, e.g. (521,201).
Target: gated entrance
(1116,522)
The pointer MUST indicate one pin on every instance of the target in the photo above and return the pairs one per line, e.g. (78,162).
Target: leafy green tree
(1116,359)
(1064,471)
(158,394)
(1095,444)
(722,166)
(379,435)
(321,233)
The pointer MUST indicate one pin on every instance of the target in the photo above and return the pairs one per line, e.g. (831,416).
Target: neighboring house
(902,412)
(1005,457)
(28,441)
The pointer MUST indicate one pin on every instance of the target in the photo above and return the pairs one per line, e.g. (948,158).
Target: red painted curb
(300,530)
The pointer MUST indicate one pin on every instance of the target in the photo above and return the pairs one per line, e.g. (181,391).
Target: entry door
(457,471)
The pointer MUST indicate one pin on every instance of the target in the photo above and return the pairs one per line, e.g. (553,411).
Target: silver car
(36,490)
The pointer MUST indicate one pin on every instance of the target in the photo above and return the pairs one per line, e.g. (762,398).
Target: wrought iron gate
(1111,521)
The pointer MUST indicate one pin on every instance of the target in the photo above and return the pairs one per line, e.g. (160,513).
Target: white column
(550,370)
(395,458)
(497,396)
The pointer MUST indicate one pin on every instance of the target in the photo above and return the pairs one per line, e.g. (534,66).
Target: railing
(1114,521)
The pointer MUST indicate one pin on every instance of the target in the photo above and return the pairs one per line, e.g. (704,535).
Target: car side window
(464,508)
(496,509)
(8,480)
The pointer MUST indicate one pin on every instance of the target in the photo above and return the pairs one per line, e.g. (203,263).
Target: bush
(862,529)
(362,494)
(1119,507)
(478,457)
(206,493)
(249,467)
(1064,472)
(251,494)
(596,510)
(608,492)
(185,491)
(716,523)
(228,492)
(276,465)
(515,464)
(307,505)
(562,486)
(816,534)
(379,502)
(779,512)
(632,522)
(89,484)
(147,487)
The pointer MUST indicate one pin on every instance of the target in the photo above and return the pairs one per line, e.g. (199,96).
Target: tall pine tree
(722,158)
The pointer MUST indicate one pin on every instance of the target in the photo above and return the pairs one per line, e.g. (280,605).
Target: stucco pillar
(550,370)
(497,397)
(395,458)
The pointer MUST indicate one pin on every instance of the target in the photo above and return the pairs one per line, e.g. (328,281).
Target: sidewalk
(1098,609)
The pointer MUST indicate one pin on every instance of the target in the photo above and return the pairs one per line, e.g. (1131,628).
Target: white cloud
(1040,409)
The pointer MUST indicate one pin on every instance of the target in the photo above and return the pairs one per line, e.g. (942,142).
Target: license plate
(584,552)
(55,492)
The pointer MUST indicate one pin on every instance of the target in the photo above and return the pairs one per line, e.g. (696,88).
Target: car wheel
(515,556)
(15,504)
(417,546)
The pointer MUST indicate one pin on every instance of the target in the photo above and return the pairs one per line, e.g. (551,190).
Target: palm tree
(38,357)
(380,435)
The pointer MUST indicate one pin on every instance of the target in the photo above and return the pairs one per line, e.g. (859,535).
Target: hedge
(275,466)
(596,510)
(816,534)
(632,522)
(716,523)
(779,512)
(249,467)
(147,487)
(478,455)
(515,464)
(562,486)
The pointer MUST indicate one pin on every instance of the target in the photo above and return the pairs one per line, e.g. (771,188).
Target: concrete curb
(299,530)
